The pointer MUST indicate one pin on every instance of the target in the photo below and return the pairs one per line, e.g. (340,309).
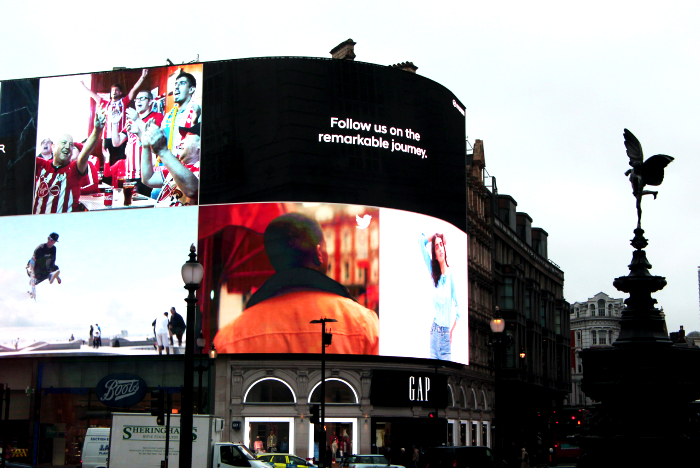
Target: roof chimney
(344,51)
(406,66)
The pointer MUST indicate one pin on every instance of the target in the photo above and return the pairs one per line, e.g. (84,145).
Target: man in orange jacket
(277,316)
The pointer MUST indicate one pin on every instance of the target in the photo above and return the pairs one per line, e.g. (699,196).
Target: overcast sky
(549,88)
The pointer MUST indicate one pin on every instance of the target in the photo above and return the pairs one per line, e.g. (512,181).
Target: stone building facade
(595,322)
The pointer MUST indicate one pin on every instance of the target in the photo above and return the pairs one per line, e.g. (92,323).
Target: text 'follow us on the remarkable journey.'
(385,138)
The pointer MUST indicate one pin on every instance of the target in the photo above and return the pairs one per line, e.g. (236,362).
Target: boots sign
(394,388)
(121,390)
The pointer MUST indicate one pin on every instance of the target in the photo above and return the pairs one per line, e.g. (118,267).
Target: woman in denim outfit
(445,306)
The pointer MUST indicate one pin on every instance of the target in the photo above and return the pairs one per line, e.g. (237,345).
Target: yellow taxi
(285,460)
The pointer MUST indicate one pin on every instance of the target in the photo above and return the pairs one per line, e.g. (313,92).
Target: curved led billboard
(369,163)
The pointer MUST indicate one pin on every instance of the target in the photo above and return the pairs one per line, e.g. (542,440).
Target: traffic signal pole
(322,444)
(167,428)
(326,339)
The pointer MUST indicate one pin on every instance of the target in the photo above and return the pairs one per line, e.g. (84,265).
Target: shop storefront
(370,406)
(66,397)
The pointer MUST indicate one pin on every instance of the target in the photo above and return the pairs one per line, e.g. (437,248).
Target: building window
(603,338)
(557,322)
(337,391)
(543,312)
(601,308)
(594,340)
(507,294)
(462,398)
(528,304)
(269,391)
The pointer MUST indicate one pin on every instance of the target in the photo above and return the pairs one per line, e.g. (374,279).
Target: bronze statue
(643,173)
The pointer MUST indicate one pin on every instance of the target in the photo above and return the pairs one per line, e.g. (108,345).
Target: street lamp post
(498,325)
(192,273)
(200,369)
(326,339)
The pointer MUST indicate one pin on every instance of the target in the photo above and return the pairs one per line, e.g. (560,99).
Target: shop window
(269,436)
(463,430)
(269,390)
(485,434)
(337,392)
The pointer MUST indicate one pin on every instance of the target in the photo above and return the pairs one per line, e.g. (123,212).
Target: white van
(95,448)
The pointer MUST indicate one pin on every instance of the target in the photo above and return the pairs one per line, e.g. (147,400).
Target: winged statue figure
(643,173)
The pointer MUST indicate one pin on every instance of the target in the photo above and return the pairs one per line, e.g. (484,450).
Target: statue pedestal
(645,384)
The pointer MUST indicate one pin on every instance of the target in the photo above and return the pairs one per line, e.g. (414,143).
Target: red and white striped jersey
(133,149)
(90,183)
(110,106)
(171,195)
(56,190)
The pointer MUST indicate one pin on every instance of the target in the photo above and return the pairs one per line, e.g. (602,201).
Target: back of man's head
(291,241)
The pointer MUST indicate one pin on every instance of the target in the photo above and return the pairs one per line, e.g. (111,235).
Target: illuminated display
(80,161)
(376,154)
(272,268)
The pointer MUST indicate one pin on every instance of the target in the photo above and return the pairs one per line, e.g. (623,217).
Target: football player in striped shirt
(57,182)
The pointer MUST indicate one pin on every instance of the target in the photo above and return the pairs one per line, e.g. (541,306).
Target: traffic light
(158,406)
(432,415)
(315,414)
(327,338)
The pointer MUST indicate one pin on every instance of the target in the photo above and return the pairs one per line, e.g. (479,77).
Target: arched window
(451,396)
(338,392)
(475,402)
(271,391)
(483,396)
(462,398)
(601,307)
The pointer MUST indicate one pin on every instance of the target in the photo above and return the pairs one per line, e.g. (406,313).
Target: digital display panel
(18,116)
(272,268)
(333,131)
(374,155)
(77,161)
(118,272)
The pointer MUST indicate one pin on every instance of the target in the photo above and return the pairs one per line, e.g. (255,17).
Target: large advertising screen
(369,161)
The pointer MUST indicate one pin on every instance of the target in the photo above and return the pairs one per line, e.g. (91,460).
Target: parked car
(462,457)
(367,461)
(285,460)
